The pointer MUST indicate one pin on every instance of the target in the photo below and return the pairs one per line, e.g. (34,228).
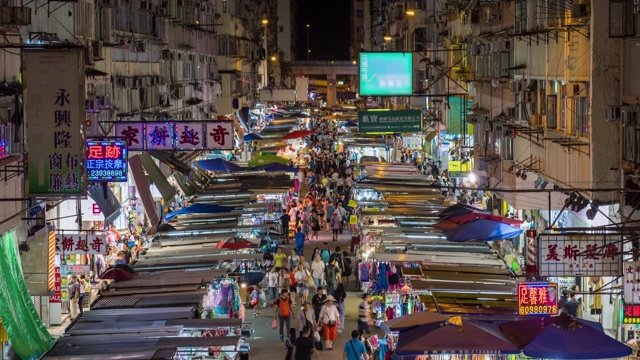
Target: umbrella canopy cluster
(267,163)
(461,222)
(560,337)
(199,209)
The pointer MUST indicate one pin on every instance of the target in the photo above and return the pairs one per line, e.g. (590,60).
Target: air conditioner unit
(103,102)
(614,113)
(629,117)
(91,106)
(15,16)
(515,87)
(528,97)
(88,55)
(97,50)
(497,128)
(510,112)
(144,5)
(110,3)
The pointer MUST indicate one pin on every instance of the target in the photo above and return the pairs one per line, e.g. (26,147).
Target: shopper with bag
(354,349)
(283,313)
(307,318)
(330,319)
(303,276)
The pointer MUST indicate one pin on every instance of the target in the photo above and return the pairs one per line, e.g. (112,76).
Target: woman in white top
(272,283)
(317,270)
(330,319)
(301,283)
(294,259)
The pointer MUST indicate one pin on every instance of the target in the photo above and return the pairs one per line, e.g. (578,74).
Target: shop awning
(144,190)
(108,204)
(174,161)
(482,230)
(188,188)
(157,177)
(199,209)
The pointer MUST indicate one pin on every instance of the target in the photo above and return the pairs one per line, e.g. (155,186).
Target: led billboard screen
(386,73)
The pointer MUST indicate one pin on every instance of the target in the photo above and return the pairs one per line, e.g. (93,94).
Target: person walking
(330,319)
(304,345)
(335,226)
(325,253)
(347,268)
(364,314)
(283,313)
(82,295)
(340,294)
(354,349)
(317,271)
(284,221)
(280,259)
(254,300)
(299,238)
(317,301)
(306,318)
(294,259)
(302,277)
(315,226)
(290,344)
(272,284)
(331,276)
(74,296)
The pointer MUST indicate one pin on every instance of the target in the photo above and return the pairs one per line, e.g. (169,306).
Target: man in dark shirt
(127,253)
(284,220)
(304,345)
(318,300)
(563,299)
(571,306)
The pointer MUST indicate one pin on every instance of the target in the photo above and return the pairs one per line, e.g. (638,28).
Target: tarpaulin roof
(562,337)
(470,337)
(296,134)
(456,207)
(275,167)
(252,137)
(219,165)
(199,208)
(268,159)
(452,222)
(409,321)
(482,229)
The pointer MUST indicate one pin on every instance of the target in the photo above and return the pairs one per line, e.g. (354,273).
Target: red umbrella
(118,272)
(234,244)
(297,134)
(463,219)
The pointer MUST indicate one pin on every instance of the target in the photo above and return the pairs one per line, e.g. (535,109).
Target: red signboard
(56,298)
(537,299)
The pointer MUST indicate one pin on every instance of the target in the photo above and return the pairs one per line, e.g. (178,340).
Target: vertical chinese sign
(580,255)
(220,135)
(55,112)
(631,276)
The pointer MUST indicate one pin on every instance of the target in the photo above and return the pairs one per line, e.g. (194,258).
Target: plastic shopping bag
(274,324)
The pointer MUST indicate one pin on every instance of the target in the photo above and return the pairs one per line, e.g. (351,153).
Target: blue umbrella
(458,210)
(275,167)
(252,137)
(199,209)
(483,230)
(219,165)
(350,124)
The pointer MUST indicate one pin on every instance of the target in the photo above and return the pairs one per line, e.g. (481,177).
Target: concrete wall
(284,28)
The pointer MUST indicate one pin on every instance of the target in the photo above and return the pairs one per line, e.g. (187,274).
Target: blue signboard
(107,160)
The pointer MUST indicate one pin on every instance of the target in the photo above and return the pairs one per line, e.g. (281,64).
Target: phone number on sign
(103,173)
(541,309)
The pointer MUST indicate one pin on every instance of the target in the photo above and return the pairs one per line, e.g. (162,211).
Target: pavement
(267,344)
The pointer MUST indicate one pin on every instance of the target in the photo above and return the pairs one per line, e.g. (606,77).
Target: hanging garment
(382,283)
(364,270)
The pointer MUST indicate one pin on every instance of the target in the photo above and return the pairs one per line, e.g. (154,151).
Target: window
(552,115)
(506,147)
(543,97)
(580,121)
(359,13)
(281,28)
(631,143)
(521,16)
(563,112)
(139,46)
(225,9)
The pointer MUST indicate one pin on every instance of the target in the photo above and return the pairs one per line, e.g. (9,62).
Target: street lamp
(308,42)
(265,22)
(410,13)
(387,38)
(273,58)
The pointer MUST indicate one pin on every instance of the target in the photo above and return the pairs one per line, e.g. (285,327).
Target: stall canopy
(219,165)
(465,337)
(458,210)
(157,177)
(297,134)
(450,223)
(409,321)
(252,137)
(482,229)
(199,209)
(275,167)
(268,159)
(563,337)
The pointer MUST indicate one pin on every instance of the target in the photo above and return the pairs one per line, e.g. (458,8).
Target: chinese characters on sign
(396,121)
(189,136)
(54,128)
(631,276)
(537,299)
(176,135)
(219,135)
(631,314)
(132,133)
(56,298)
(80,244)
(579,255)
(107,160)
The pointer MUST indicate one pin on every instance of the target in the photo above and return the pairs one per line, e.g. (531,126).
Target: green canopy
(267,159)
(27,334)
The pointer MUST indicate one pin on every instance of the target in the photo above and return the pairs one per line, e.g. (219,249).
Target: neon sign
(537,299)
(107,160)
(631,314)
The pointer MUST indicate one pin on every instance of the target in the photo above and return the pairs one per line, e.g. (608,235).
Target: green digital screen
(386,73)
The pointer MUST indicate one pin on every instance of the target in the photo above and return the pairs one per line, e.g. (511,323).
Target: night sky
(329,32)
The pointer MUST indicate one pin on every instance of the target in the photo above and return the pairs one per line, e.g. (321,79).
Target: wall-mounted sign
(190,136)
(80,244)
(579,255)
(55,113)
(631,314)
(631,275)
(56,298)
(537,299)
(219,135)
(76,270)
(177,135)
(390,121)
(133,133)
(107,160)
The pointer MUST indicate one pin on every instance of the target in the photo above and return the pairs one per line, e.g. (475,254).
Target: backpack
(284,307)
(346,270)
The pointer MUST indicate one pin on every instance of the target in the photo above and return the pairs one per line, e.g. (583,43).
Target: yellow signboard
(352,203)
(4,337)
(353,220)
(459,166)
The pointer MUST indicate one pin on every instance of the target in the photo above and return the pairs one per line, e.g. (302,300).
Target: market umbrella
(563,337)
(458,209)
(219,165)
(199,209)
(117,272)
(350,124)
(252,137)
(412,320)
(451,223)
(466,336)
(275,167)
(267,159)
(297,134)
(483,230)
(234,243)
